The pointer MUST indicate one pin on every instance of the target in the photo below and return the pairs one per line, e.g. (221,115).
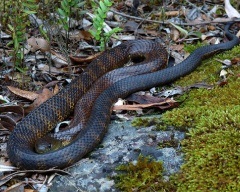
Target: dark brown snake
(39,122)
(138,50)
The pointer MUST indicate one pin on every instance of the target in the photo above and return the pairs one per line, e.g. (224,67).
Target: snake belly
(41,120)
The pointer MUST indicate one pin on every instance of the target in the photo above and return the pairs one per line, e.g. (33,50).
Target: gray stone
(122,144)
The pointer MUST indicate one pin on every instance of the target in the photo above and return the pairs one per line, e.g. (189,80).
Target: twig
(223,20)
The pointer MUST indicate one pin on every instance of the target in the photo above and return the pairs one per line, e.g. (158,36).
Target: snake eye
(49,145)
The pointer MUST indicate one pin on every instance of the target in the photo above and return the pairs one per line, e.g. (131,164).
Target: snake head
(47,144)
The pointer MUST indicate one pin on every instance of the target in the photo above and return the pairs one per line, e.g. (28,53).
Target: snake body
(152,57)
(20,147)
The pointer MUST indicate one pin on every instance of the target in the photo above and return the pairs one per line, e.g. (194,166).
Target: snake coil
(20,146)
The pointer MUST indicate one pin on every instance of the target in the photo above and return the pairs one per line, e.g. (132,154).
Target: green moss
(212,162)
(211,149)
(212,116)
(169,143)
(209,70)
(149,121)
(145,175)
(191,47)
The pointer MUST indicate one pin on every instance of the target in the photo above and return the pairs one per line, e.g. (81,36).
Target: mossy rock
(212,147)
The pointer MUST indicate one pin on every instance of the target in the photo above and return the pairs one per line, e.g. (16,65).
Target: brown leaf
(58,59)
(22,93)
(144,99)
(82,34)
(81,60)
(38,44)
(167,104)
(178,47)
(10,115)
(18,187)
(55,90)
(7,122)
(235,60)
(170,13)
(201,85)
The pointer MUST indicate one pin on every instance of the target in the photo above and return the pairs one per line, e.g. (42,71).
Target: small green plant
(68,7)
(100,15)
(17,17)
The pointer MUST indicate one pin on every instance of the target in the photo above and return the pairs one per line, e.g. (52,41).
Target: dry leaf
(167,104)
(18,187)
(38,44)
(235,61)
(175,34)
(9,116)
(22,93)
(230,10)
(80,60)
(82,34)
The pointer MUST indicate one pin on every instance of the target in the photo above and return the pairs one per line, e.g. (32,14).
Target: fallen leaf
(167,104)
(10,115)
(82,60)
(38,44)
(175,34)
(22,93)
(200,85)
(180,29)
(82,34)
(17,187)
(235,60)
(230,10)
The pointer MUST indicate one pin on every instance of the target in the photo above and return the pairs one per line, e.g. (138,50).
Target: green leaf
(81,4)
(61,12)
(182,31)
(10,27)
(10,43)
(29,6)
(196,33)
(16,44)
(29,12)
(99,19)
(43,32)
(95,25)
(66,27)
(65,3)
(31,1)
(107,3)
(65,7)
(100,12)
(103,7)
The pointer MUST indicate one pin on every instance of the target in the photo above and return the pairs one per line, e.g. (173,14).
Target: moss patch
(145,175)
(149,121)
(212,162)
(212,149)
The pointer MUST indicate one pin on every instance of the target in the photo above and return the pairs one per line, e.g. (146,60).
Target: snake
(37,124)
(143,54)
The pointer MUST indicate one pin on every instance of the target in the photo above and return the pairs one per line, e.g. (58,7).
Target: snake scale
(152,57)
(39,122)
